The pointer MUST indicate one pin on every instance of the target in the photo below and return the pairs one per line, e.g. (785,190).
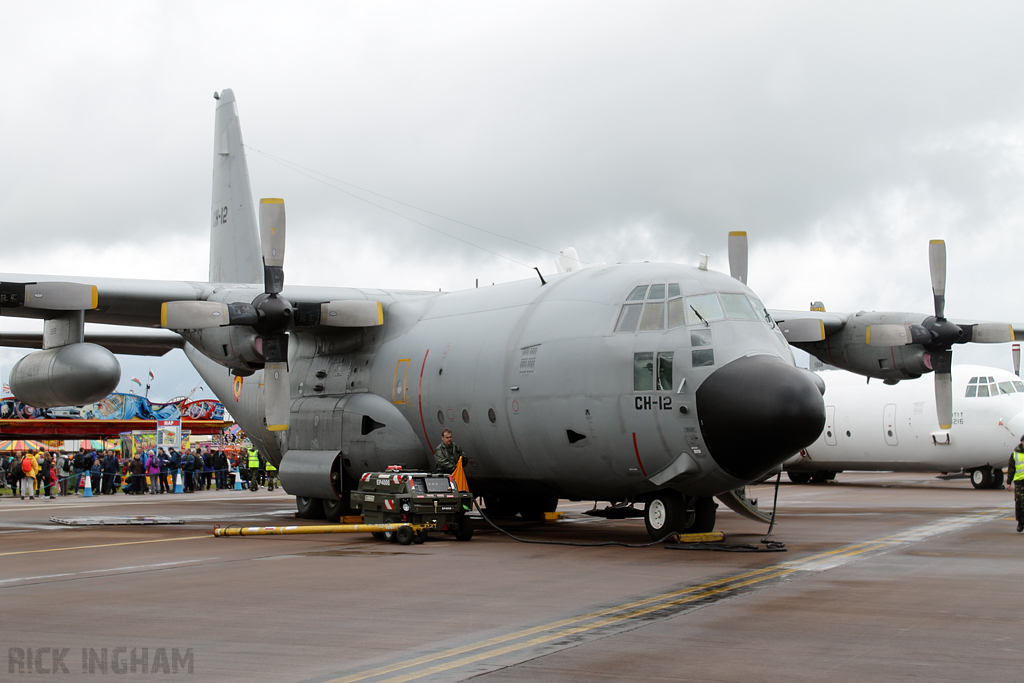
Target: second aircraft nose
(757,411)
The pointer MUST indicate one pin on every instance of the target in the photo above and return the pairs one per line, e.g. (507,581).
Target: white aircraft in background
(875,427)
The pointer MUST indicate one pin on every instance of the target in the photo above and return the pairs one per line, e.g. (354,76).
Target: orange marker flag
(459,475)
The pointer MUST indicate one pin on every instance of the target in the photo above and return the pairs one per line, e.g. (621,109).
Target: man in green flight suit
(1015,477)
(447,454)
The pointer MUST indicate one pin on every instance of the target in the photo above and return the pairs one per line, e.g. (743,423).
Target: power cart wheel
(405,535)
(465,530)
(420,538)
(390,536)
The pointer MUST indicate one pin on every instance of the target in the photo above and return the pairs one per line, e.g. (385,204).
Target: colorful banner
(117,407)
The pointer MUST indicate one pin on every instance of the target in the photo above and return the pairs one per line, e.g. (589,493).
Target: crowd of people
(49,475)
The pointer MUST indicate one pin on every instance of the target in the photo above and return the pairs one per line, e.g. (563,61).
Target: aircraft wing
(155,343)
(807,326)
(136,303)
(119,301)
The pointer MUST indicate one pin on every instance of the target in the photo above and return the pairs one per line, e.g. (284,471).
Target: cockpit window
(676,313)
(657,292)
(1019,386)
(982,390)
(673,289)
(738,306)
(1006,388)
(628,317)
(637,294)
(643,372)
(654,315)
(665,370)
(703,309)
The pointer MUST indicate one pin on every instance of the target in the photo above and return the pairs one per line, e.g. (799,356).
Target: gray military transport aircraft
(652,383)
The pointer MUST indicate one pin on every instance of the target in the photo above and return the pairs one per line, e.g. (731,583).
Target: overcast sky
(840,137)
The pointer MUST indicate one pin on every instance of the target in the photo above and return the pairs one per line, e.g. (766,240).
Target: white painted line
(915,535)
(107,571)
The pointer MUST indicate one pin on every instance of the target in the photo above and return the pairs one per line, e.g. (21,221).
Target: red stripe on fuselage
(419,400)
(637,450)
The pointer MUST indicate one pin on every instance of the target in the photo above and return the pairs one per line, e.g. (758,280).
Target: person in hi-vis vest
(1015,478)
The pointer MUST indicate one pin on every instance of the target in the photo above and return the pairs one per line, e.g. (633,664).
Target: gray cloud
(852,132)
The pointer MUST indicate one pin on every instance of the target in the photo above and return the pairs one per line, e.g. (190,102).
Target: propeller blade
(193,315)
(277,392)
(49,296)
(937,268)
(272,242)
(1015,352)
(887,335)
(992,333)
(942,363)
(277,396)
(944,399)
(738,256)
(351,314)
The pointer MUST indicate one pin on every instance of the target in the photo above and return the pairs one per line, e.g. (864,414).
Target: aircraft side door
(889,424)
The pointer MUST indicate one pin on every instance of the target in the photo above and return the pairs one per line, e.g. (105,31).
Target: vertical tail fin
(235,254)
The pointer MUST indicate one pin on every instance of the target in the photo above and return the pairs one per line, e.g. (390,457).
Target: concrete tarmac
(886,577)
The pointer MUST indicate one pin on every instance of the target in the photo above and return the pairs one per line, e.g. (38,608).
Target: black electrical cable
(769,546)
(775,545)
(571,543)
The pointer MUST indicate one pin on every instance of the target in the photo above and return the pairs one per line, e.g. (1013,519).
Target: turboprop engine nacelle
(848,349)
(236,348)
(69,375)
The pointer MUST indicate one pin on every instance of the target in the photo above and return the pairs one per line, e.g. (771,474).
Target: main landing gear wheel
(799,477)
(334,510)
(822,477)
(501,506)
(309,508)
(997,478)
(982,478)
(533,509)
(663,514)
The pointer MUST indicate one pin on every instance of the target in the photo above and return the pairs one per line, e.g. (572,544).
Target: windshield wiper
(706,323)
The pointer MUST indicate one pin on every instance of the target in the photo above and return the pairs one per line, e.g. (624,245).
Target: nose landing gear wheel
(982,478)
(663,514)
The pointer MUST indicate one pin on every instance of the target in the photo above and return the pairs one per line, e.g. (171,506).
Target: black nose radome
(756,412)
